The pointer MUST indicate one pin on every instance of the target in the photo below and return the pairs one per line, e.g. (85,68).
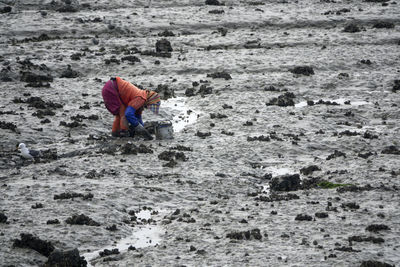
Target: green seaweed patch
(329,185)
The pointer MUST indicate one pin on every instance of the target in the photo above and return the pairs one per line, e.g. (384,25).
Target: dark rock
(222,75)
(218,116)
(396,86)
(108,252)
(350,205)
(213,3)
(375,240)
(375,264)
(32,242)
(309,170)
(352,28)
(68,258)
(144,149)
(165,92)
(321,215)
(112,228)
(6,9)
(277,197)
(284,100)
(336,154)
(163,46)
(37,206)
(354,188)
(55,221)
(31,77)
(82,220)
(73,195)
(216,11)
(182,148)
(69,73)
(366,62)
(304,70)
(202,134)
(391,150)
(205,90)
(303,217)
(383,24)
(166,33)
(172,155)
(245,235)
(9,126)
(347,249)
(3,218)
(131,59)
(190,92)
(288,182)
(377,227)
(261,138)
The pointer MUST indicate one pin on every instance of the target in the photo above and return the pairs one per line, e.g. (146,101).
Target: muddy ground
(255,89)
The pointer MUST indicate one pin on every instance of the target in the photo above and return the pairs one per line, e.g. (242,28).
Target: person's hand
(142,131)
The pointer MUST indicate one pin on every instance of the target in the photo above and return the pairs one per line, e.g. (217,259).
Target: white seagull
(27,153)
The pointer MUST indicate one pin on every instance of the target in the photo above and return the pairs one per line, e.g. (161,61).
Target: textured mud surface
(286,147)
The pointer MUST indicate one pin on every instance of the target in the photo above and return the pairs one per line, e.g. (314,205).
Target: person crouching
(127,102)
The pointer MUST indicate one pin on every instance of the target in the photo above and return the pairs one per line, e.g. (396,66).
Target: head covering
(153,101)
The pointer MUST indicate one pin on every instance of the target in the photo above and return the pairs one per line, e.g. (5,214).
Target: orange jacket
(130,96)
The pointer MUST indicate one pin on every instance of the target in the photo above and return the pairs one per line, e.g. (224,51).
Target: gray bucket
(164,130)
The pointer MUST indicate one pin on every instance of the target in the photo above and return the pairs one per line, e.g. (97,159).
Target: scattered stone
(375,263)
(82,220)
(375,240)
(9,126)
(391,150)
(383,25)
(6,9)
(396,86)
(32,242)
(216,11)
(108,252)
(73,195)
(166,33)
(55,221)
(129,149)
(347,249)
(350,205)
(284,100)
(288,182)
(222,75)
(213,3)
(354,188)
(3,218)
(37,206)
(163,46)
(112,228)
(190,92)
(205,90)
(377,227)
(165,92)
(69,73)
(309,170)
(245,235)
(336,154)
(303,217)
(303,70)
(352,28)
(172,155)
(321,215)
(202,134)
(277,197)
(68,258)
(131,59)
(261,138)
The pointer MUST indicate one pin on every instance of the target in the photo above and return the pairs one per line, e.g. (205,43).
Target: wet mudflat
(286,126)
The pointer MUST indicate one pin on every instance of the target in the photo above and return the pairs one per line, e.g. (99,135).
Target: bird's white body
(26,153)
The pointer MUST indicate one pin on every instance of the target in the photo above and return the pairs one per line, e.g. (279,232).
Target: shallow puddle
(182,115)
(141,237)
